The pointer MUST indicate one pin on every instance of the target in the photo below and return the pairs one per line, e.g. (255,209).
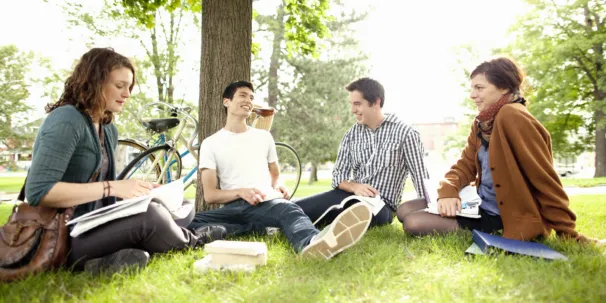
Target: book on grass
(237,252)
(375,204)
(470,200)
(483,242)
(168,195)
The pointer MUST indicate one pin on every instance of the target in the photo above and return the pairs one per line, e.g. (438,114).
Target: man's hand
(283,190)
(364,190)
(251,195)
(448,207)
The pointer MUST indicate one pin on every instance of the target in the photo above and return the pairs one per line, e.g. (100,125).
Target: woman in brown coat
(508,156)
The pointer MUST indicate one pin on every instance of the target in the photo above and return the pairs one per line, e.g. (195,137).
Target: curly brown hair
(84,87)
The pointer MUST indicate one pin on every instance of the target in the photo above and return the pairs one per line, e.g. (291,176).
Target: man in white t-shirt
(244,160)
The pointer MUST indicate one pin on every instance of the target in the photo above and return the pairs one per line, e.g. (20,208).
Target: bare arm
(64,194)
(274,172)
(214,195)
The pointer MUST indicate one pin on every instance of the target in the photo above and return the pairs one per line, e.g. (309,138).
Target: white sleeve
(272,155)
(207,157)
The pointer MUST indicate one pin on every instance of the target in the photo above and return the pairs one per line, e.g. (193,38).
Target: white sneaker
(345,231)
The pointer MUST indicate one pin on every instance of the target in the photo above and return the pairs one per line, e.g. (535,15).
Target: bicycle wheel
(126,152)
(159,164)
(290,167)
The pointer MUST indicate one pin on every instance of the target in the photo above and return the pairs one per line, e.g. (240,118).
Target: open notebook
(470,200)
(168,195)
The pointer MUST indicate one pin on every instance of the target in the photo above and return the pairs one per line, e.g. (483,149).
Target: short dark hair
(371,89)
(502,72)
(231,89)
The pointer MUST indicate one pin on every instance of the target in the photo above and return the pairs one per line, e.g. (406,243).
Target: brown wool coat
(529,194)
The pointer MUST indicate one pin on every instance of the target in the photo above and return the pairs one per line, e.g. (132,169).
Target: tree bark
(226,57)
(274,62)
(157,65)
(313,175)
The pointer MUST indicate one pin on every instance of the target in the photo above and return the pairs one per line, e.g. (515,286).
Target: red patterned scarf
(485,118)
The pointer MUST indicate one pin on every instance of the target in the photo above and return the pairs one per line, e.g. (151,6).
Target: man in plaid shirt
(375,157)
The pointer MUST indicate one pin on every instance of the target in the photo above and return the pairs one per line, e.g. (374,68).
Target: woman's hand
(448,207)
(126,189)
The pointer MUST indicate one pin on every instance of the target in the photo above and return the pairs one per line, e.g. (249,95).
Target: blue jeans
(239,217)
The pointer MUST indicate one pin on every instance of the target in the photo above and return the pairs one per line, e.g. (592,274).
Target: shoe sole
(345,231)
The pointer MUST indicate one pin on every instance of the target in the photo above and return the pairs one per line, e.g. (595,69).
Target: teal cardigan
(67,149)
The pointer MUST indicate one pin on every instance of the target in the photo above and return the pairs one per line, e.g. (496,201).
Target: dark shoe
(126,258)
(209,233)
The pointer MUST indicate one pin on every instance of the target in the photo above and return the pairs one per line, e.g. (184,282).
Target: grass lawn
(386,266)
(11,184)
(569,182)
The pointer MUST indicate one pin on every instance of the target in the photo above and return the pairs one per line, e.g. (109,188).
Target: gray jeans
(153,231)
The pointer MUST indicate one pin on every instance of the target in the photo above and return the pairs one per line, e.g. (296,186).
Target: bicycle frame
(162,140)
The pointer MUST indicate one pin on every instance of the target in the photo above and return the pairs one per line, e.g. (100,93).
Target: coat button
(498,185)
(492,168)
(501,203)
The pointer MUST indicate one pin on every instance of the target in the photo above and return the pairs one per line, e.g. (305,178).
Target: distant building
(434,134)
(17,153)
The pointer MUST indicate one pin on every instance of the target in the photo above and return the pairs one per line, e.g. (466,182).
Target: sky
(411,45)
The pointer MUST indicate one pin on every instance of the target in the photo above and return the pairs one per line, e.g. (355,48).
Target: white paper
(169,195)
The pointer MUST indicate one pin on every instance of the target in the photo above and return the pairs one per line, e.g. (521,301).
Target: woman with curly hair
(73,166)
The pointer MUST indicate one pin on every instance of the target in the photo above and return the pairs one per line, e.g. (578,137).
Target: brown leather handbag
(35,239)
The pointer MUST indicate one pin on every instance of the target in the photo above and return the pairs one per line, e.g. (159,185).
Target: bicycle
(161,162)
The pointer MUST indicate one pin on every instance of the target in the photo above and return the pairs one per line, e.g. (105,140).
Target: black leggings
(153,231)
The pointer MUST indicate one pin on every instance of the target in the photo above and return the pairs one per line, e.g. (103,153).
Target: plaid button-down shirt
(382,158)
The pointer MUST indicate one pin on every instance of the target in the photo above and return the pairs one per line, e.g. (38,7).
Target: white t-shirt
(241,160)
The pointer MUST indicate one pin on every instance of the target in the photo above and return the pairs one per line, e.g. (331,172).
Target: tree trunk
(226,56)
(155,58)
(274,62)
(313,175)
(600,143)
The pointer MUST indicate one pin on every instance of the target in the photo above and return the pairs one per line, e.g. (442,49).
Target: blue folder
(484,241)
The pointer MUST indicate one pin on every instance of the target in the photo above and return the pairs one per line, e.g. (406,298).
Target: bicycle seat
(264,112)
(161,125)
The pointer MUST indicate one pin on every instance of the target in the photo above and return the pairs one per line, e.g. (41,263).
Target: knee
(288,207)
(409,207)
(157,214)
(412,225)
(402,212)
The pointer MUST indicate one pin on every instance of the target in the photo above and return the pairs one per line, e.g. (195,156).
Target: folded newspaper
(470,200)
(168,195)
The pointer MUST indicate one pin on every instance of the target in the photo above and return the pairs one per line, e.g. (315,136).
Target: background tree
(157,25)
(226,51)
(561,47)
(14,67)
